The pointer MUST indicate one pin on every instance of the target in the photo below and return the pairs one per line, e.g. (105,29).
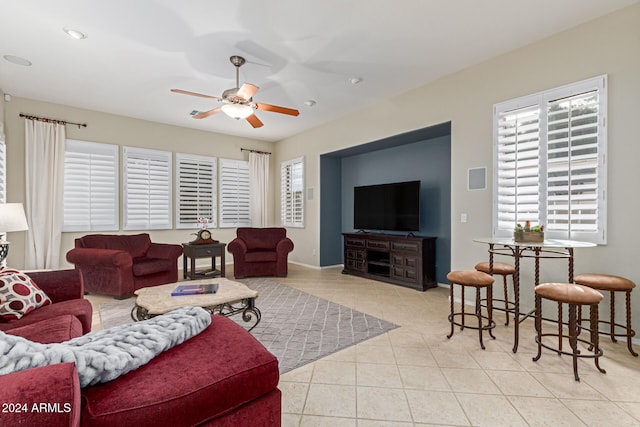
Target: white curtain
(44,176)
(259,186)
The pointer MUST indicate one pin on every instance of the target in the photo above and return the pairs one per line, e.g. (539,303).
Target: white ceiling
(297,50)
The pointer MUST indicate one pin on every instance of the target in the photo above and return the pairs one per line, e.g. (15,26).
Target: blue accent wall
(423,154)
(427,161)
(330,209)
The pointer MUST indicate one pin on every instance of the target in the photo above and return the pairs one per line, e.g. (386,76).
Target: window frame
(161,158)
(101,156)
(288,217)
(542,100)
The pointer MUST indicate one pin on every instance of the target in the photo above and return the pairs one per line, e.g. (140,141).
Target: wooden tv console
(402,260)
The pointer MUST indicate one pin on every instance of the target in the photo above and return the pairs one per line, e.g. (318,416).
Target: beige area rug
(296,327)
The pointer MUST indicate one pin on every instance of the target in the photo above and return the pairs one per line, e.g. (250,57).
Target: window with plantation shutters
(147,189)
(90,186)
(196,192)
(292,193)
(3,180)
(233,194)
(3,171)
(550,169)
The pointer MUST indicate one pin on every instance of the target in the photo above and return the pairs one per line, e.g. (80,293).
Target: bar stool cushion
(498,268)
(470,278)
(604,282)
(569,293)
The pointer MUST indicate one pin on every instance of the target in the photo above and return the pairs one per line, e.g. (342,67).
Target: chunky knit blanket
(105,355)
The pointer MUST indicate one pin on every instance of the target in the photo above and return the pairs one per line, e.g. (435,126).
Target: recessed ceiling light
(17,60)
(310,103)
(355,80)
(76,34)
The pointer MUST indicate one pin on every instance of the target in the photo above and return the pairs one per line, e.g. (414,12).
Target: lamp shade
(237,111)
(12,217)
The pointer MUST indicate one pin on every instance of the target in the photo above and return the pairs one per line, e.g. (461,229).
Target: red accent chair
(69,309)
(117,265)
(260,252)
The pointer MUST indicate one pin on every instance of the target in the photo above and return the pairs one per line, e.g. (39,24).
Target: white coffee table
(230,299)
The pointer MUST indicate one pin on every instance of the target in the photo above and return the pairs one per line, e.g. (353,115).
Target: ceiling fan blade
(254,121)
(247,91)
(186,92)
(276,109)
(207,113)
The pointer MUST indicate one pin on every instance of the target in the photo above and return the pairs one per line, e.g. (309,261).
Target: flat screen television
(392,207)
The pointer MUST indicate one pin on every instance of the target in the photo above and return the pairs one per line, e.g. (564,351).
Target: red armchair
(69,309)
(260,252)
(117,265)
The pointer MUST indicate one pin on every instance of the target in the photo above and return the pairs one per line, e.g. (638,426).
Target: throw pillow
(19,295)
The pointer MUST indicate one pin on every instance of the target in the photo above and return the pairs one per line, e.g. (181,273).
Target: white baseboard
(315,267)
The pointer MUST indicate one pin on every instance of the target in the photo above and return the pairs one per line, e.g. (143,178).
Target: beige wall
(122,131)
(606,46)
(610,45)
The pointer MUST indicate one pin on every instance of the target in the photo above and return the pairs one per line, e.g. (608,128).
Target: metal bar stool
(477,280)
(575,296)
(612,284)
(504,270)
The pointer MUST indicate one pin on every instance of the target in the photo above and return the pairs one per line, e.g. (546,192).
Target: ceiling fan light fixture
(17,60)
(76,34)
(237,111)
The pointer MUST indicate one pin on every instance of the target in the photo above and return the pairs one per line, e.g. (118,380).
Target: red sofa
(117,265)
(260,252)
(222,376)
(66,291)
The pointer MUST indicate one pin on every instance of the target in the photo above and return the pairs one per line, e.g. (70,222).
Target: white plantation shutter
(550,162)
(147,189)
(518,167)
(196,193)
(234,194)
(3,171)
(292,193)
(572,171)
(3,179)
(90,186)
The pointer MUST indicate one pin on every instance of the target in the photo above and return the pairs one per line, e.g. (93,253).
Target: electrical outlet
(463,217)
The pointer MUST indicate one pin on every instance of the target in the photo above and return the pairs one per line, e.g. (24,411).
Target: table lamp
(12,218)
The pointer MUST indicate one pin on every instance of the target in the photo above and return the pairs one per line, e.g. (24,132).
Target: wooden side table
(194,252)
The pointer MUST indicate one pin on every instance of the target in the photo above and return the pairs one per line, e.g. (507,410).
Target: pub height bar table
(549,248)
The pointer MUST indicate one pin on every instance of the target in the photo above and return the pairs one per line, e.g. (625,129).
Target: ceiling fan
(238,101)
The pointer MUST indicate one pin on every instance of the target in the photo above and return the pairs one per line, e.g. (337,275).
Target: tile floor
(415,376)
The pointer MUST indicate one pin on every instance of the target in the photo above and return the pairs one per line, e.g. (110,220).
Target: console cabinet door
(355,259)
(405,267)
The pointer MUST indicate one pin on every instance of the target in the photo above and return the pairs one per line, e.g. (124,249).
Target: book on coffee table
(210,288)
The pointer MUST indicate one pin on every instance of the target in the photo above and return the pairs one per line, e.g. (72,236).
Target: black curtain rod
(255,151)
(44,119)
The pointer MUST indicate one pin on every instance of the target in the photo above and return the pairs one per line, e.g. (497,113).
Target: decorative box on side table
(194,251)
